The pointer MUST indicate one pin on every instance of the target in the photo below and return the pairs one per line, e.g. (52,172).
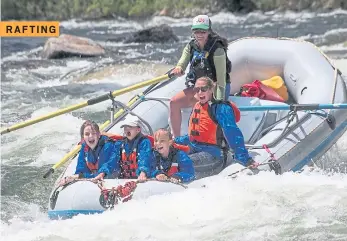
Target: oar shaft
(84,104)
(44,117)
(294,107)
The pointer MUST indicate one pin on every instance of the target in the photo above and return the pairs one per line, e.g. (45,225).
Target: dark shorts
(206,165)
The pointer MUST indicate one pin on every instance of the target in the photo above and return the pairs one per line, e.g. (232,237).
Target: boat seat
(250,121)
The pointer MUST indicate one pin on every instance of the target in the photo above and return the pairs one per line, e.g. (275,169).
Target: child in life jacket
(172,163)
(98,157)
(136,151)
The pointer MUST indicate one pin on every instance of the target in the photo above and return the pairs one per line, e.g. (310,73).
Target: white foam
(114,23)
(339,32)
(173,22)
(333,13)
(342,65)
(46,142)
(42,142)
(22,55)
(302,16)
(224,17)
(334,47)
(247,208)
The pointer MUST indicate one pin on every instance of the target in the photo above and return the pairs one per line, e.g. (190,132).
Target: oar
(294,107)
(86,103)
(77,148)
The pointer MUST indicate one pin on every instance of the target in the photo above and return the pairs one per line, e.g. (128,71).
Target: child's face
(91,136)
(162,143)
(131,131)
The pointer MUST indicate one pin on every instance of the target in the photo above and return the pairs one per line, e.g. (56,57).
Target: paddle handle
(98,99)
(48,173)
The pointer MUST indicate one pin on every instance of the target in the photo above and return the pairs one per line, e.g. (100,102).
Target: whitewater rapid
(310,205)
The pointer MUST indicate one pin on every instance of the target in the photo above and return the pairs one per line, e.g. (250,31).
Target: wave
(285,206)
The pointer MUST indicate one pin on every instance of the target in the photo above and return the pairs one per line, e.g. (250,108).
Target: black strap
(212,109)
(172,158)
(215,43)
(125,163)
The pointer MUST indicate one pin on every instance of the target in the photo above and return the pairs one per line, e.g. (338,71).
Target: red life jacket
(129,163)
(174,167)
(203,126)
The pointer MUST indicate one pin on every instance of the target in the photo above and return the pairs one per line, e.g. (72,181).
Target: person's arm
(182,140)
(186,168)
(232,133)
(111,158)
(185,58)
(145,158)
(219,60)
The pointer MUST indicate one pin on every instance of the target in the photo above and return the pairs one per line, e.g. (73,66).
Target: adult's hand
(178,71)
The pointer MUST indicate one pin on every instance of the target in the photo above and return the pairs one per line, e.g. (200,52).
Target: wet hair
(163,131)
(208,81)
(214,34)
(89,123)
(222,39)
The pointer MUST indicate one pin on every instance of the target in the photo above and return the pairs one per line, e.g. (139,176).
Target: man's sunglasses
(203,89)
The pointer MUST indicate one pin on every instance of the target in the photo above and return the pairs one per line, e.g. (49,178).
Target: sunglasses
(199,32)
(203,89)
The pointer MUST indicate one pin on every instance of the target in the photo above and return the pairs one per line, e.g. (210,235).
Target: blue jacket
(107,153)
(185,172)
(233,135)
(145,160)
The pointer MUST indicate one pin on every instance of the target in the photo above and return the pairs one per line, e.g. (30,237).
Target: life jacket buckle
(195,120)
(195,133)
(197,111)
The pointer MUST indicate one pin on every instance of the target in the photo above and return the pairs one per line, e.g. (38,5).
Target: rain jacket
(185,172)
(145,160)
(233,136)
(108,155)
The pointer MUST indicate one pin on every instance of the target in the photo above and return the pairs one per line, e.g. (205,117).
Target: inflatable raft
(282,140)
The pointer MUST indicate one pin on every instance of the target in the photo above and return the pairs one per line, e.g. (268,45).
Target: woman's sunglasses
(199,32)
(203,89)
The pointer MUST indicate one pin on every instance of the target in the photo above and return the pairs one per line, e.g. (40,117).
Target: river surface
(293,206)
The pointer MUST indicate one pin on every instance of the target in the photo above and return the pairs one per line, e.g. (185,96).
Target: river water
(293,206)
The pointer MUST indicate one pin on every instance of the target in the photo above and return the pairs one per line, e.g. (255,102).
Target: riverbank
(105,9)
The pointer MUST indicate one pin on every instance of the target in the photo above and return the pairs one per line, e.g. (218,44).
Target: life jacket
(173,167)
(129,162)
(94,167)
(201,61)
(203,126)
